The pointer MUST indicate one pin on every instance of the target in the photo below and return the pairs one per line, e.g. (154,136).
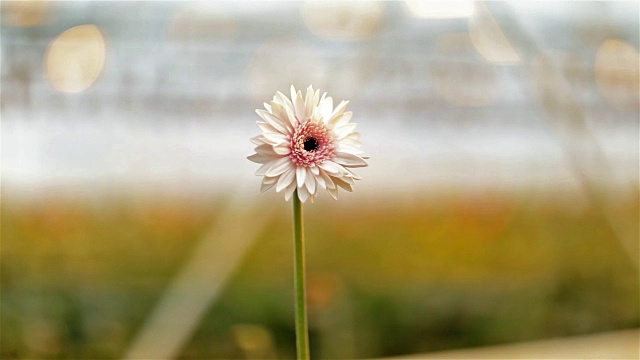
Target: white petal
(267,106)
(258,140)
(279,166)
(343,184)
(280,112)
(264,149)
(269,180)
(334,193)
(341,119)
(327,180)
(308,103)
(285,179)
(348,159)
(325,108)
(344,130)
(315,170)
(354,135)
(264,187)
(345,147)
(262,170)
(265,127)
(298,105)
(316,97)
(339,109)
(288,108)
(284,149)
(320,181)
(302,194)
(330,167)
(259,158)
(310,182)
(273,121)
(289,191)
(351,142)
(353,175)
(275,138)
(300,175)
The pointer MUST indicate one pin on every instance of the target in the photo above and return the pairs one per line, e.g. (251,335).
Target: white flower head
(307,144)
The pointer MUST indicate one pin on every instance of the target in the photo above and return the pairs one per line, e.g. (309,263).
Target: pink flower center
(311,144)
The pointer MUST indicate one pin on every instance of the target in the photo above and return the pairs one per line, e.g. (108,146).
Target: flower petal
(288,108)
(285,179)
(343,184)
(354,135)
(320,181)
(325,108)
(257,140)
(298,105)
(316,98)
(264,149)
(262,170)
(283,149)
(300,175)
(355,150)
(259,158)
(339,109)
(328,181)
(273,121)
(289,191)
(280,112)
(310,181)
(308,103)
(350,142)
(269,180)
(275,138)
(333,192)
(302,194)
(330,167)
(353,175)
(279,166)
(347,159)
(341,119)
(265,127)
(264,187)
(344,130)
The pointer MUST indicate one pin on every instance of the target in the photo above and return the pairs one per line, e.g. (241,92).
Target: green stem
(302,335)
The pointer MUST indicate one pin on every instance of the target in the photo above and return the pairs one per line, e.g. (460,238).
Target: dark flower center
(310,144)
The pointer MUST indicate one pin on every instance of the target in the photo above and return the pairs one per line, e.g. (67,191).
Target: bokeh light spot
(25,13)
(616,73)
(75,59)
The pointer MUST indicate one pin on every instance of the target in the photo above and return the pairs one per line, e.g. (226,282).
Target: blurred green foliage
(79,278)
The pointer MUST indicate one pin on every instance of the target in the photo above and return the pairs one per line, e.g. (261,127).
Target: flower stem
(302,336)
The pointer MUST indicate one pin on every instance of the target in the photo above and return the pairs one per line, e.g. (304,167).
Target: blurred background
(500,205)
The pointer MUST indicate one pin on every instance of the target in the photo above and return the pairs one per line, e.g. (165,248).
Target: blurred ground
(79,279)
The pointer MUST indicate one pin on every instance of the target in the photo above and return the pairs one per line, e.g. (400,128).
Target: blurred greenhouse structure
(500,205)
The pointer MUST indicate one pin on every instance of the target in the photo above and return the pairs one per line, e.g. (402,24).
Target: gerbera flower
(307,145)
